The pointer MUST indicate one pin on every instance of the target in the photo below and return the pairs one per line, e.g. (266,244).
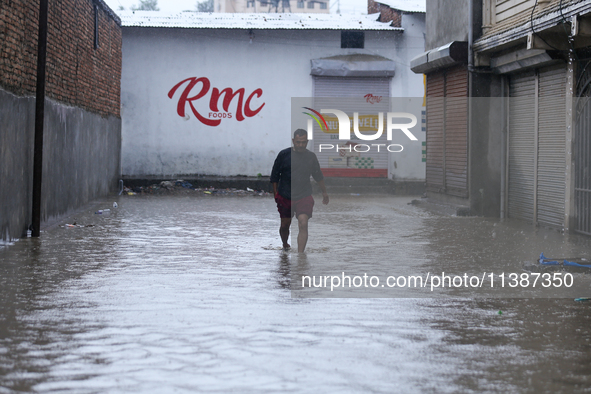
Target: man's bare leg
(284,232)
(303,234)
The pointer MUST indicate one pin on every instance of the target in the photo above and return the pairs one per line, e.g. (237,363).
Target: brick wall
(77,73)
(386,13)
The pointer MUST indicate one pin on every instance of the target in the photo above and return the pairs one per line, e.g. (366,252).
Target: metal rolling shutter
(447,131)
(456,131)
(551,146)
(537,129)
(522,116)
(435,131)
(336,87)
(351,87)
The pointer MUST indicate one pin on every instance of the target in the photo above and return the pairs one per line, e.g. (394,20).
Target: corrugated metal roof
(289,21)
(406,5)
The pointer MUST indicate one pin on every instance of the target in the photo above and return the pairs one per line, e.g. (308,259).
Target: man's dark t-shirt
(292,171)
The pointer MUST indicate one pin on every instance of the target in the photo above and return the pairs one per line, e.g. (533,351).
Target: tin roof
(406,5)
(288,21)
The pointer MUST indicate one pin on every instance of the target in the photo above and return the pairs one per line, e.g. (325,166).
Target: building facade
(82,124)
(272,6)
(221,89)
(520,145)
(393,10)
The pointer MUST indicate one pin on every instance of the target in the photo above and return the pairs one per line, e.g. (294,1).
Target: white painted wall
(409,89)
(157,141)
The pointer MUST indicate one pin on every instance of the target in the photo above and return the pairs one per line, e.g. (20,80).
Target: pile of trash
(68,225)
(182,187)
(568,262)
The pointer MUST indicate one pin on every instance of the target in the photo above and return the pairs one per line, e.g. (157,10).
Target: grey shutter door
(537,143)
(552,146)
(456,131)
(522,146)
(447,131)
(435,131)
(354,88)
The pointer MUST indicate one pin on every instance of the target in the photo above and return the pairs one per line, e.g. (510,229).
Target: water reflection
(284,271)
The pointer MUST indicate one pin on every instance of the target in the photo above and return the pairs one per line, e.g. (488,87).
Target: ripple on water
(178,294)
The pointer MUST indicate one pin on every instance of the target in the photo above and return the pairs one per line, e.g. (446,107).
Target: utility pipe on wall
(39,116)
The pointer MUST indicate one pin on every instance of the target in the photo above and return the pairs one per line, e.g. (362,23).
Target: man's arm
(276,174)
(324,193)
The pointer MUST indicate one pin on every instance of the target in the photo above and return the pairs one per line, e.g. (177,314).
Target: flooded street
(193,294)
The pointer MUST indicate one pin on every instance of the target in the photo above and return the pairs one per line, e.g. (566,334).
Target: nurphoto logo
(342,124)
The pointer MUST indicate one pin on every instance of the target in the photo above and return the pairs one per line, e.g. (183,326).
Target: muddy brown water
(193,294)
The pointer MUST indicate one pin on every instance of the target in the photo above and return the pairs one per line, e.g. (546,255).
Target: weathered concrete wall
(446,21)
(17,126)
(81,160)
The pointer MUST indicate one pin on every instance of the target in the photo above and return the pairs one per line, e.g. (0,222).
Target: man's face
(300,142)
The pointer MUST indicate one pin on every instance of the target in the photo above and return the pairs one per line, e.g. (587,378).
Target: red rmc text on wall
(242,107)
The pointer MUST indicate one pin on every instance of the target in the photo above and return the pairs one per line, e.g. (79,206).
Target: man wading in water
(292,189)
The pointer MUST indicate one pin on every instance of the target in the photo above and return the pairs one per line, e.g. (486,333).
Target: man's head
(300,140)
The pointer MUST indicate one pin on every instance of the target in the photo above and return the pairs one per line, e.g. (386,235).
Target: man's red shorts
(287,208)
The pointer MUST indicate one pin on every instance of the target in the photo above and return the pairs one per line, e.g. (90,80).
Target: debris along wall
(82,127)
(271,66)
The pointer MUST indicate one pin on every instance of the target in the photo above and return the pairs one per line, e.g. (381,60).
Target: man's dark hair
(300,132)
